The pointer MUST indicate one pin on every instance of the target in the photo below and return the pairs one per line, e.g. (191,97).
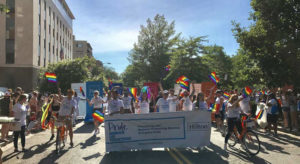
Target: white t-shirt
(127,102)
(144,107)
(20,113)
(274,108)
(115,105)
(187,104)
(66,107)
(233,112)
(244,104)
(163,105)
(202,105)
(173,102)
(76,100)
(98,101)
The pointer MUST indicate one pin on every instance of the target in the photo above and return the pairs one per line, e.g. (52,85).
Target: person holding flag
(97,101)
(186,103)
(219,115)
(143,105)
(127,101)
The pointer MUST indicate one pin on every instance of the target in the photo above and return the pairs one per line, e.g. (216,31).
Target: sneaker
(52,137)
(16,150)
(225,147)
(71,144)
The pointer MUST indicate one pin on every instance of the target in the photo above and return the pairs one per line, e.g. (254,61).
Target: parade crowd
(28,108)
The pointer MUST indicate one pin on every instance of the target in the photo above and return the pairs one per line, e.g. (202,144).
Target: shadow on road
(96,155)
(52,157)
(89,142)
(37,149)
(85,128)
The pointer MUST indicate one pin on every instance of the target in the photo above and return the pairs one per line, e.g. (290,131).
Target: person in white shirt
(186,103)
(66,111)
(173,101)
(272,113)
(20,112)
(163,103)
(233,111)
(127,101)
(115,105)
(97,101)
(142,107)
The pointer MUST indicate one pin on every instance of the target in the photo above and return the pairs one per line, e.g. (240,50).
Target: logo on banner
(198,126)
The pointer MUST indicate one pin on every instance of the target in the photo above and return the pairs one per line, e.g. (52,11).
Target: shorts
(68,121)
(220,115)
(285,109)
(127,111)
(272,118)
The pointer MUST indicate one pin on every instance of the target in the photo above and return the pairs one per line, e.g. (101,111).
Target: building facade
(33,34)
(81,49)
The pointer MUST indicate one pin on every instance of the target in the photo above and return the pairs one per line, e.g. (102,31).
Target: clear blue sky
(112,26)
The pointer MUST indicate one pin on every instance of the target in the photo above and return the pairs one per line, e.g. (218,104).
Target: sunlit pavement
(90,149)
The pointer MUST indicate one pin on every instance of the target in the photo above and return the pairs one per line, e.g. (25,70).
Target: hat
(95,91)
(165,91)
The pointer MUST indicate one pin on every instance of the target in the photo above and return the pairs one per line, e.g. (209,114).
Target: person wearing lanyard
(186,102)
(115,105)
(66,111)
(97,101)
(163,103)
(127,100)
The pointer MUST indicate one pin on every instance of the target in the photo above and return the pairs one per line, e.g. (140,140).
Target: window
(49,47)
(79,45)
(10,33)
(50,12)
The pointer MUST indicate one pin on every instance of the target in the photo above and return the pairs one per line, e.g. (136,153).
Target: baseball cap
(165,91)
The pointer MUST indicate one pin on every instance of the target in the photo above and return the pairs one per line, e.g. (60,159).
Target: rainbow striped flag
(260,114)
(168,68)
(246,91)
(45,115)
(226,95)
(51,77)
(183,82)
(81,91)
(133,92)
(214,78)
(98,116)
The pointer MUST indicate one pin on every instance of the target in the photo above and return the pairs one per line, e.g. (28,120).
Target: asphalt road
(90,149)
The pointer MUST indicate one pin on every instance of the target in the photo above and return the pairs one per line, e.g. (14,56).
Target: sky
(112,26)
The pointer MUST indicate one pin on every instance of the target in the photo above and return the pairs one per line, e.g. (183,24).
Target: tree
(273,40)
(74,71)
(152,51)
(186,60)
(4,8)
(217,61)
(245,71)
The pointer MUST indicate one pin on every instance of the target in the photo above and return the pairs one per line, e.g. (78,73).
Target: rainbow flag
(133,92)
(98,116)
(247,91)
(45,115)
(260,114)
(226,95)
(182,78)
(109,84)
(168,68)
(214,78)
(81,91)
(51,77)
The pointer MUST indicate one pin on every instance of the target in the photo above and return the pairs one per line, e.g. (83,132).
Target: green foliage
(4,8)
(273,40)
(74,71)
(152,51)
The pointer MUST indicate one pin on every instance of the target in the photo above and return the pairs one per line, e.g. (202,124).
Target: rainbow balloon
(98,116)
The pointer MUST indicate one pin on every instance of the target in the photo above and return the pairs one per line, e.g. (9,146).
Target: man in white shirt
(115,105)
(163,103)
(97,101)
(127,101)
(66,111)
(173,101)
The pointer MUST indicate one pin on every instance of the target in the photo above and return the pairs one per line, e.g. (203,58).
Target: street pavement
(90,149)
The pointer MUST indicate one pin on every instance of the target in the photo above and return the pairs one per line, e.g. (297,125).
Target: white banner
(157,130)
